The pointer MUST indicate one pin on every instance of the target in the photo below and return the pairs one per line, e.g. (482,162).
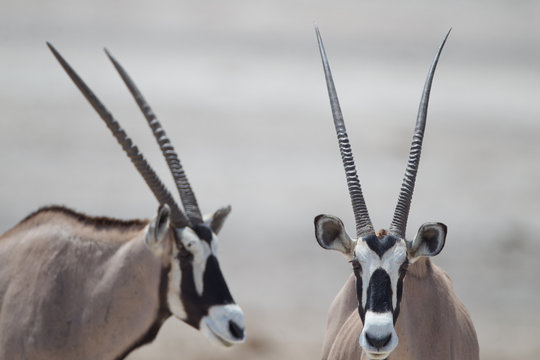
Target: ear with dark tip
(158,228)
(217,219)
(429,241)
(331,234)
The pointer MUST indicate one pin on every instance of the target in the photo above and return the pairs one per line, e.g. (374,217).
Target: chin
(377,356)
(214,337)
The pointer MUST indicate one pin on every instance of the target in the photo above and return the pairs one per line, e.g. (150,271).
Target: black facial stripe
(380,246)
(399,289)
(204,232)
(359,287)
(215,290)
(188,292)
(379,292)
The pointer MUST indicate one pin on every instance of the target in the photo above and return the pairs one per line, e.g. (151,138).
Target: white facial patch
(370,262)
(173,294)
(215,245)
(391,262)
(216,325)
(200,250)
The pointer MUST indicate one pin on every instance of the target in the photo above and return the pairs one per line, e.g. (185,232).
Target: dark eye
(182,252)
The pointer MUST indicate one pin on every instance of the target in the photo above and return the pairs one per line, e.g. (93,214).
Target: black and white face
(197,292)
(380,265)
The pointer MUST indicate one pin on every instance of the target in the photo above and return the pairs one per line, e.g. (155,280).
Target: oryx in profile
(397,305)
(79,287)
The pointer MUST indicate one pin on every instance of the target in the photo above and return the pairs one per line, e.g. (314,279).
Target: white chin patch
(378,326)
(377,356)
(217,324)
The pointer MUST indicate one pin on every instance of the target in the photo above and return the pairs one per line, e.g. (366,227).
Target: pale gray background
(239,87)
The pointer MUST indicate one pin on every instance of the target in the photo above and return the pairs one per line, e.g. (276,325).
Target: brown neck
(133,289)
(420,269)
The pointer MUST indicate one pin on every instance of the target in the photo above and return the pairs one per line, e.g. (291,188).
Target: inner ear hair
(164,213)
(429,241)
(158,227)
(217,219)
(330,234)
(429,238)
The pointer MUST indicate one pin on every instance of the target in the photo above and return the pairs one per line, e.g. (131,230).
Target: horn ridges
(150,177)
(361,216)
(184,188)
(399,223)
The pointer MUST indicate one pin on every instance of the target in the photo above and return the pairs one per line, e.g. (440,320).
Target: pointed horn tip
(439,51)
(51,47)
(446,37)
(112,58)
(59,57)
(319,37)
(115,63)
(322,50)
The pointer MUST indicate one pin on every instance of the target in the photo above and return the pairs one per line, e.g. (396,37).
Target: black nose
(378,342)
(236,330)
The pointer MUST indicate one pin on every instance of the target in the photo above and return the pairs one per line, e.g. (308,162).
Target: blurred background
(239,87)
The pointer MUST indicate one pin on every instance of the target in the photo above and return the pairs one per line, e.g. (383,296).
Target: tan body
(48,312)
(78,287)
(433,323)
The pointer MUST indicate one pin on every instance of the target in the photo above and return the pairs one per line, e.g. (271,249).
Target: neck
(420,269)
(427,303)
(128,304)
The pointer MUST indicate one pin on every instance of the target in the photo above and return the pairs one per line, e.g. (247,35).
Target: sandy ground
(240,89)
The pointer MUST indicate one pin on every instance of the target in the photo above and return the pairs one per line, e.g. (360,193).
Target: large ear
(428,242)
(331,234)
(216,220)
(158,228)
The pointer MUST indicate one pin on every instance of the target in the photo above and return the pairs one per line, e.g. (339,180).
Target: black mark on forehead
(380,246)
(203,232)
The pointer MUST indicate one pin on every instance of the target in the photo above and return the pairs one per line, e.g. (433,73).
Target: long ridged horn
(361,216)
(161,193)
(184,188)
(401,214)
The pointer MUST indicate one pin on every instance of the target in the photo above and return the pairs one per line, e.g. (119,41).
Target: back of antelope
(74,286)
(397,304)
